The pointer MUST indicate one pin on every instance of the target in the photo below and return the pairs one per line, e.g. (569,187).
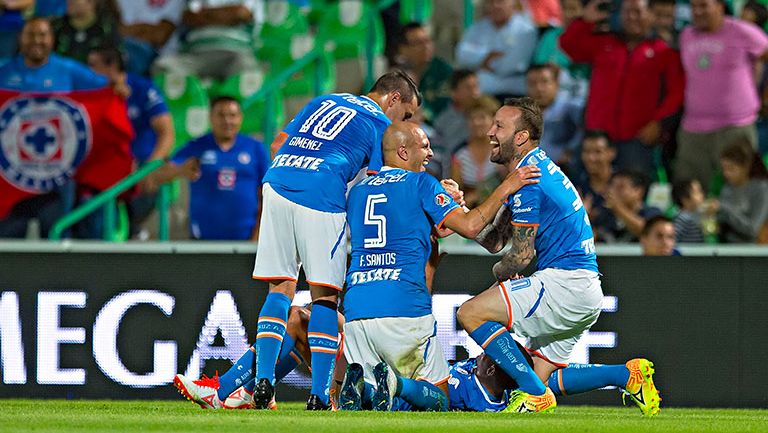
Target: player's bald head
(405,145)
(399,134)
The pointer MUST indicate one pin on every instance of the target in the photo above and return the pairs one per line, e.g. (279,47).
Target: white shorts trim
(553,308)
(293,236)
(409,345)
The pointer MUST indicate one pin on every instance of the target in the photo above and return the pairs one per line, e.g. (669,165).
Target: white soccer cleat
(239,399)
(203,391)
(386,384)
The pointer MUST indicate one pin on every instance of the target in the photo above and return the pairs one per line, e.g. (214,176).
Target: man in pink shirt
(719,56)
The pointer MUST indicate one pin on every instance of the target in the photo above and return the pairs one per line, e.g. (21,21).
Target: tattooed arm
(496,235)
(519,255)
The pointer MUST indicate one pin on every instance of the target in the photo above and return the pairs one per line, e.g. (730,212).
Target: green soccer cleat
(640,387)
(351,395)
(522,402)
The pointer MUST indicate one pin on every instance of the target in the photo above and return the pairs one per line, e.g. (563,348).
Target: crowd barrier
(117,321)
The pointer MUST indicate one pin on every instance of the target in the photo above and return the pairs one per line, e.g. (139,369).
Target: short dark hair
(111,56)
(221,99)
(402,38)
(652,3)
(553,68)
(460,75)
(741,152)
(761,12)
(651,222)
(399,81)
(598,134)
(681,190)
(638,179)
(531,119)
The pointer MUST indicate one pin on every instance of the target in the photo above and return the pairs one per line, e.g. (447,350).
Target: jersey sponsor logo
(522,210)
(381,274)
(383,179)
(208,157)
(516,201)
(297,161)
(42,141)
(244,158)
(442,199)
(226,179)
(352,99)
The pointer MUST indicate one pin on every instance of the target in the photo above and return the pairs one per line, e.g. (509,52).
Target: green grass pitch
(182,416)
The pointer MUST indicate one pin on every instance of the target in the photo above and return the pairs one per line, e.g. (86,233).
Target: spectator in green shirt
(416,55)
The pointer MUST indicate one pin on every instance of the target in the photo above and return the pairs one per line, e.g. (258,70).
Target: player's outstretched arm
(471,223)
(496,235)
(520,254)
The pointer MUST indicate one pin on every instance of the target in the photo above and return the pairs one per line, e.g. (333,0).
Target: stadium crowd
(657,109)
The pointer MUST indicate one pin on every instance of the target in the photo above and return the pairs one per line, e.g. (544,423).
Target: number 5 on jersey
(379,221)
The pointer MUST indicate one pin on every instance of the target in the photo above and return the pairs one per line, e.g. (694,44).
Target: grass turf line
(168,416)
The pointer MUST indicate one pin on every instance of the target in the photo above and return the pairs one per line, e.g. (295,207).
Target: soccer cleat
(522,402)
(272,404)
(640,387)
(351,396)
(203,391)
(314,403)
(386,385)
(263,394)
(239,399)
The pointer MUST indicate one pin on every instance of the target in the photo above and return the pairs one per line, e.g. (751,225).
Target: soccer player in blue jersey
(226,170)
(303,223)
(389,329)
(561,300)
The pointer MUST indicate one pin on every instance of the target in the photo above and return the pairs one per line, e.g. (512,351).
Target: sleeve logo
(516,202)
(442,199)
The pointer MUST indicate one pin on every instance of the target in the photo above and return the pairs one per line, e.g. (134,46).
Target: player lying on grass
(475,384)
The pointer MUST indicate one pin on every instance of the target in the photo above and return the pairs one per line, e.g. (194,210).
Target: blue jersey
(324,147)
(60,74)
(564,238)
(465,392)
(223,202)
(390,217)
(144,104)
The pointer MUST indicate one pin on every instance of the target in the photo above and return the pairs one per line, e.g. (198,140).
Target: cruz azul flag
(48,139)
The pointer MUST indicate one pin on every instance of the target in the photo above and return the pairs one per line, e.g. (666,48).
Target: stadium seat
(188,104)
(345,26)
(287,26)
(415,10)
(241,87)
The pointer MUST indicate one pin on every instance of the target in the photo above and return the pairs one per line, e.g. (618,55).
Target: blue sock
(422,395)
(250,385)
(578,378)
(501,347)
(240,373)
(289,358)
(269,338)
(367,396)
(323,334)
